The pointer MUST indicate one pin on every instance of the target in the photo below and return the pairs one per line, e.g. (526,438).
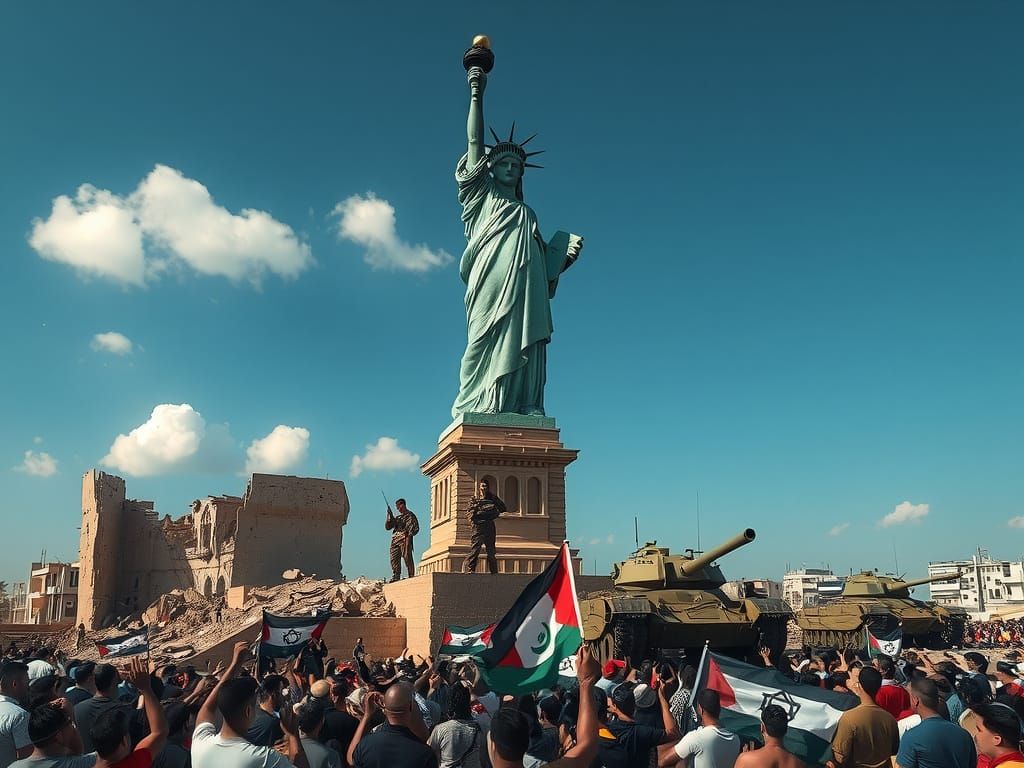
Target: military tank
(883,604)
(665,604)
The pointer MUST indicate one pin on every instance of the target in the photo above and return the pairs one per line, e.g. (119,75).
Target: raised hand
(477,81)
(239,652)
(137,674)
(587,668)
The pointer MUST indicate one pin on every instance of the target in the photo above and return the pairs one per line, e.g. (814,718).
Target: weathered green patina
(510,272)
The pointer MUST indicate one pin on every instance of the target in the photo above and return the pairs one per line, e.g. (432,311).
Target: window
(511,497)
(1006,569)
(533,502)
(73,581)
(998,594)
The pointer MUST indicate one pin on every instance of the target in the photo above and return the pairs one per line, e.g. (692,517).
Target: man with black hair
(484,509)
(55,740)
(85,685)
(934,743)
(866,736)
(265,730)
(106,679)
(624,743)
(711,745)
(997,734)
(311,721)
(14,737)
(111,732)
(774,724)
(235,699)
(339,726)
(458,741)
(403,528)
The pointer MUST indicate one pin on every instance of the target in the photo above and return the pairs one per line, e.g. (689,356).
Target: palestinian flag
(745,690)
(538,634)
(465,641)
(124,645)
(884,643)
(284,636)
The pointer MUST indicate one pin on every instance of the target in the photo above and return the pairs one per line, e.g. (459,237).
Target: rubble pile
(183,623)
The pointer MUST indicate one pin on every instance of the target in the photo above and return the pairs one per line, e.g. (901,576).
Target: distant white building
(986,586)
(741,588)
(807,587)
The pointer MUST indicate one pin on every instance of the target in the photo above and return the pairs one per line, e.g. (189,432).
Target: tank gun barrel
(931,579)
(742,538)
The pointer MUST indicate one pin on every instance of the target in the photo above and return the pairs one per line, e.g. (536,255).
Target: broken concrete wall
(289,522)
(130,557)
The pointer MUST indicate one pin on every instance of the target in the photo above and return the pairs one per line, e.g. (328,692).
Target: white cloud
(113,342)
(370,222)
(905,512)
(39,464)
(179,214)
(594,542)
(174,438)
(1016,522)
(169,221)
(385,454)
(97,233)
(285,448)
(37,440)
(835,530)
(610,539)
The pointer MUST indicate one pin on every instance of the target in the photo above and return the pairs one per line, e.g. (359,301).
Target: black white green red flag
(284,636)
(538,635)
(465,641)
(124,645)
(884,643)
(745,690)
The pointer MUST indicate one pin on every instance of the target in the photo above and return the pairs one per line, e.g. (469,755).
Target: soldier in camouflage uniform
(403,527)
(484,509)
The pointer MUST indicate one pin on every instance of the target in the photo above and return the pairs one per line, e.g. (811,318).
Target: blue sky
(799,295)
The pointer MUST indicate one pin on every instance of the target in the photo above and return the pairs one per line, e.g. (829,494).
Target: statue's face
(507,170)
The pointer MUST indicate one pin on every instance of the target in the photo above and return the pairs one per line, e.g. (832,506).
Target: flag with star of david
(284,636)
(745,690)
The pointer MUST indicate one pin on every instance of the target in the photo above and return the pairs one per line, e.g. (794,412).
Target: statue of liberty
(510,272)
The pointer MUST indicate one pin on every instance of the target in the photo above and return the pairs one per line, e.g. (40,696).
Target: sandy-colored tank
(664,604)
(884,604)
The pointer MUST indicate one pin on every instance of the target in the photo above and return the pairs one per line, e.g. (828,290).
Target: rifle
(390,513)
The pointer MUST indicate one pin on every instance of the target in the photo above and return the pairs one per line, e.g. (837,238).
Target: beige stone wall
(129,557)
(432,601)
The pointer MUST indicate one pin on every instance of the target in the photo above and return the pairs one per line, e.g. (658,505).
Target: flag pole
(701,682)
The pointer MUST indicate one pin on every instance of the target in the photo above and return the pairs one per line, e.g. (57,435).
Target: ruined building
(130,556)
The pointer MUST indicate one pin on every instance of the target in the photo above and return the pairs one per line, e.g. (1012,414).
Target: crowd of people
(991,634)
(922,710)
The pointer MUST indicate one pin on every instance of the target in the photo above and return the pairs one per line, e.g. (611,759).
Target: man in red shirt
(110,730)
(891,697)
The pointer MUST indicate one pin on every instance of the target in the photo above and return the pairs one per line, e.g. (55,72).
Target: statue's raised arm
(475,122)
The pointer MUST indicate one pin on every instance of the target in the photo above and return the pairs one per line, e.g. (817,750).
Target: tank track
(630,637)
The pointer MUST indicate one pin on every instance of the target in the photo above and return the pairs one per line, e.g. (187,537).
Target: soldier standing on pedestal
(403,528)
(484,509)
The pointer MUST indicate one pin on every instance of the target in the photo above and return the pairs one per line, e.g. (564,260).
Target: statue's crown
(510,146)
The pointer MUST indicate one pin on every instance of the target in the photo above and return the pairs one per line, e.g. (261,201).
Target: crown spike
(538,152)
(524,143)
(531,165)
(495,135)
(512,133)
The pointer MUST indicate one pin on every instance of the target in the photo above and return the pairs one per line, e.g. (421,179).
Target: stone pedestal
(524,463)
(432,601)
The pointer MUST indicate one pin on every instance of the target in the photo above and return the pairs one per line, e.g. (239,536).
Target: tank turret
(652,567)
(870,584)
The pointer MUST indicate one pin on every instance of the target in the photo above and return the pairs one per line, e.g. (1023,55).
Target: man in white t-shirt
(710,746)
(40,665)
(235,699)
